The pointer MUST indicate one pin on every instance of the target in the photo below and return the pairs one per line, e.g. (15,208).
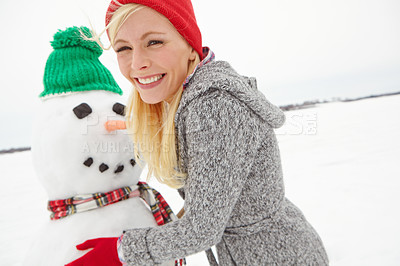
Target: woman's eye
(123,48)
(154,42)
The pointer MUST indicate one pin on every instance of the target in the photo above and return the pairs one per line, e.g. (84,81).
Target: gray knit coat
(234,192)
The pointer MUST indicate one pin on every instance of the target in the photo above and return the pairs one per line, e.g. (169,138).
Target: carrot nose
(112,125)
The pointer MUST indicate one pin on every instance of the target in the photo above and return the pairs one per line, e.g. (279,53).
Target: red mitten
(104,253)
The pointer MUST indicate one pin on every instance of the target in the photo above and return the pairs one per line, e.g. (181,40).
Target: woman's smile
(149,82)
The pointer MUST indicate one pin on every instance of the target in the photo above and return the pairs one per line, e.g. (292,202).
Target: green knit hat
(74,65)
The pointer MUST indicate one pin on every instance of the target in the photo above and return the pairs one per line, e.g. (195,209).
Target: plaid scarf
(81,203)
(159,207)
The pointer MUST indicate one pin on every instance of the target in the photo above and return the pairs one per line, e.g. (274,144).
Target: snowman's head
(74,153)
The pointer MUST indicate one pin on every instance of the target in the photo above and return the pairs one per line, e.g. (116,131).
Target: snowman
(85,164)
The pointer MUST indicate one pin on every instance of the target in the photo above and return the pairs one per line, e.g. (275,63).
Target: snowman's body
(55,243)
(76,156)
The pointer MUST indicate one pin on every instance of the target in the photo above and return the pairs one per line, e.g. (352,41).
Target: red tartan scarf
(159,207)
(80,203)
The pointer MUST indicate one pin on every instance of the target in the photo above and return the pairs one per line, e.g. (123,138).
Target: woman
(203,128)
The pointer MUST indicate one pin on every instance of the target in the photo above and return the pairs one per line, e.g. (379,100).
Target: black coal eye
(119,109)
(82,110)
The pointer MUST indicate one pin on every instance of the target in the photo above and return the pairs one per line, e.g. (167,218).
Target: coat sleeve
(220,143)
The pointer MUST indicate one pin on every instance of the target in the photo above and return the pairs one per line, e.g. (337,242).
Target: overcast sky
(297,49)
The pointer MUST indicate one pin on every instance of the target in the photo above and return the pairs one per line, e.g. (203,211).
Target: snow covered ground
(341,167)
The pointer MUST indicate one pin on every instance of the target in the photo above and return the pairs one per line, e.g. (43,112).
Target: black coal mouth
(103,167)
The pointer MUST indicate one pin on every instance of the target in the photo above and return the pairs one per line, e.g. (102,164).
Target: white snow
(340,163)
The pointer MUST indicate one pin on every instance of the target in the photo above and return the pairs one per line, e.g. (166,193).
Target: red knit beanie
(179,12)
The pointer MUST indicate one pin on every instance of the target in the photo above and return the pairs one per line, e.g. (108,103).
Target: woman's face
(152,55)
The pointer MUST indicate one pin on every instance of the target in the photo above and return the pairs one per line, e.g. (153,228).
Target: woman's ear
(192,55)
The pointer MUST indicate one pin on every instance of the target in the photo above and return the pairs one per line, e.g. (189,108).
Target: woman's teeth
(150,80)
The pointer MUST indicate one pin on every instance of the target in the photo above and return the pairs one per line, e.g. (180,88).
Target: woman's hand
(104,253)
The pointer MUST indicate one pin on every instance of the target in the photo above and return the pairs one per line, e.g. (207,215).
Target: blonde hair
(152,126)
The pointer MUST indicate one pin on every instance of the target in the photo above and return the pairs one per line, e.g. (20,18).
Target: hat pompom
(76,36)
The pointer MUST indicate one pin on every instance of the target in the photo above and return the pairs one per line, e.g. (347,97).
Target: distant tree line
(12,150)
(312,103)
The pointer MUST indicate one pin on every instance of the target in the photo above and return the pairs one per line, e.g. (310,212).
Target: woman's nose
(140,60)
